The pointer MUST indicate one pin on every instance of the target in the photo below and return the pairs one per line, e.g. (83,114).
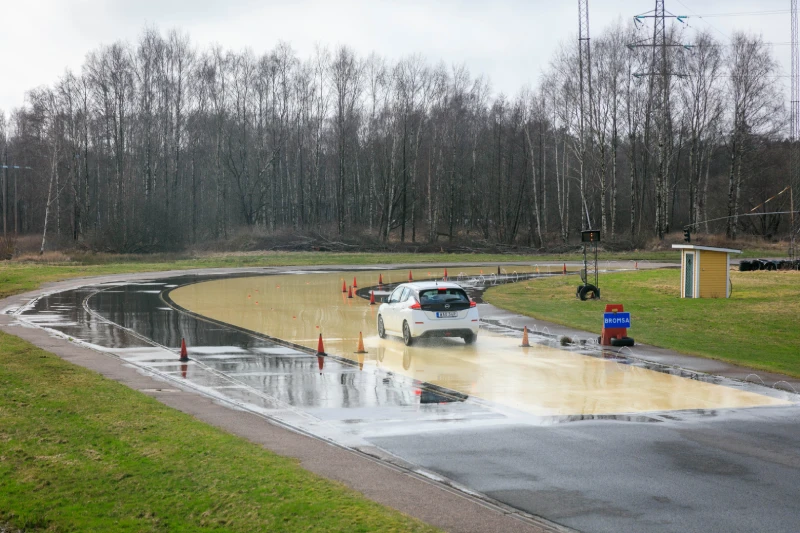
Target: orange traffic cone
(445,274)
(360,348)
(344,286)
(380,280)
(371,297)
(350,293)
(564,270)
(525,343)
(410,278)
(184,352)
(355,285)
(320,347)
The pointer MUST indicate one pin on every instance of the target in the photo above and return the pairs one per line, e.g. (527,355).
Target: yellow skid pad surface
(539,380)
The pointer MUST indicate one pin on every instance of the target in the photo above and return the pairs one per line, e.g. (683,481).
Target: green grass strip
(22,276)
(79,452)
(757,327)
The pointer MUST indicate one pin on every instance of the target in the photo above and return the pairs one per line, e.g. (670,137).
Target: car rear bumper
(450,332)
(422,326)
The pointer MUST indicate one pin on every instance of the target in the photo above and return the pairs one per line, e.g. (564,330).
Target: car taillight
(472,304)
(415,306)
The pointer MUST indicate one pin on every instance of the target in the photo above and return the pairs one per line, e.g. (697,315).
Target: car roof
(422,285)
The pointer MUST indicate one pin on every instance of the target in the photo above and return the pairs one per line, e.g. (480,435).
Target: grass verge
(757,327)
(31,271)
(79,452)
(22,276)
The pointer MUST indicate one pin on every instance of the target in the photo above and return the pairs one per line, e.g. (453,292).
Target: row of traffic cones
(360,350)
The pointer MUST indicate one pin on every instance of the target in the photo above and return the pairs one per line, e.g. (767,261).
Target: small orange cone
(525,343)
(564,270)
(344,286)
(320,347)
(350,293)
(445,274)
(355,284)
(371,297)
(380,280)
(184,352)
(410,278)
(360,348)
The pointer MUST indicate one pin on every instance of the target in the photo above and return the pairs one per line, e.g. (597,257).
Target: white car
(429,309)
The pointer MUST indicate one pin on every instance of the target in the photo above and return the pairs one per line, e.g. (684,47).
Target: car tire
(588,292)
(381,328)
(623,341)
(408,340)
(470,339)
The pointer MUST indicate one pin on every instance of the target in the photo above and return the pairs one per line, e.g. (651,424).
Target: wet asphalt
(701,470)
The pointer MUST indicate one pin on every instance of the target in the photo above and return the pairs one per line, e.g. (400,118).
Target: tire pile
(769,264)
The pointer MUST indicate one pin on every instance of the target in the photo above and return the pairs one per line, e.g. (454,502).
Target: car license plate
(447,314)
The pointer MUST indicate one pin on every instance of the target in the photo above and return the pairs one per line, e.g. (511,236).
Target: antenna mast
(794,156)
(585,89)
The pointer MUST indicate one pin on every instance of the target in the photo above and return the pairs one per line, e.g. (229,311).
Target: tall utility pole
(794,149)
(585,74)
(659,105)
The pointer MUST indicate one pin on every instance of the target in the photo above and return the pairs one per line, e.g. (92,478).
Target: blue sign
(616,320)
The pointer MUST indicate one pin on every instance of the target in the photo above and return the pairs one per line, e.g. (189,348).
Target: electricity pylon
(585,102)
(659,104)
(794,149)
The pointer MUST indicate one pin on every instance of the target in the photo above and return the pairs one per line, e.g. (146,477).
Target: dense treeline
(157,144)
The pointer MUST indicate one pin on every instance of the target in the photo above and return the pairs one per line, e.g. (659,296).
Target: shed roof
(707,248)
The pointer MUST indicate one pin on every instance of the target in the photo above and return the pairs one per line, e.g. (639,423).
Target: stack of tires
(587,292)
(768,264)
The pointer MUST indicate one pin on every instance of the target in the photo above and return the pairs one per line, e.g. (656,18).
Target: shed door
(688,287)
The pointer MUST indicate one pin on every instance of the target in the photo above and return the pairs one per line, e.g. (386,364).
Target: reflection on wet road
(540,380)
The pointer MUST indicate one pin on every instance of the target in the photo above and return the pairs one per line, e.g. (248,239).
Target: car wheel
(407,338)
(381,328)
(471,338)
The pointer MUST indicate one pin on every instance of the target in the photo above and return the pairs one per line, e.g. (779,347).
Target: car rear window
(440,296)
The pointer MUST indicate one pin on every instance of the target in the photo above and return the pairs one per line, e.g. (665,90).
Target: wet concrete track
(686,455)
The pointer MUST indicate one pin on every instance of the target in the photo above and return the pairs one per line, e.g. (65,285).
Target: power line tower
(794,149)
(585,89)
(659,103)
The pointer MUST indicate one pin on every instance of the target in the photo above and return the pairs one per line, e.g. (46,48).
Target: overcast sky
(510,41)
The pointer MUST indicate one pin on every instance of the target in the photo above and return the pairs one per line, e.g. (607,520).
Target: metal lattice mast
(659,104)
(585,90)
(794,155)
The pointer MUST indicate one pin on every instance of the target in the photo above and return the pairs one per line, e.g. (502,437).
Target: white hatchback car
(429,309)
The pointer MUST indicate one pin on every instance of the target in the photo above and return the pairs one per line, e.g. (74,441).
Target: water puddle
(541,380)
